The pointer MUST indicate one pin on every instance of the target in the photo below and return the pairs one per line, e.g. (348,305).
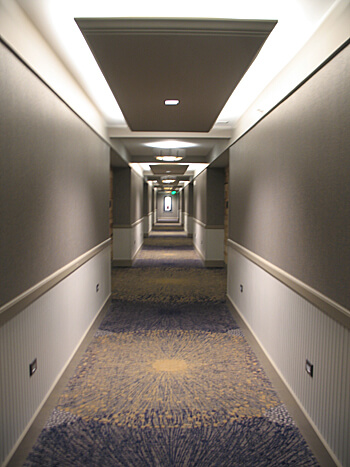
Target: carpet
(169,380)
(175,250)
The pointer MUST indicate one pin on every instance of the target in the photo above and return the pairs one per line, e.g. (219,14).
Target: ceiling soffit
(172,169)
(199,62)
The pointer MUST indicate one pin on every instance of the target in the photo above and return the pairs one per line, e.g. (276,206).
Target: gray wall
(147,199)
(128,197)
(216,196)
(121,196)
(208,197)
(136,197)
(188,199)
(200,197)
(53,181)
(289,183)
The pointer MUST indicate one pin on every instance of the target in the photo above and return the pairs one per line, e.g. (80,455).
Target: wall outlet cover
(309,368)
(33,367)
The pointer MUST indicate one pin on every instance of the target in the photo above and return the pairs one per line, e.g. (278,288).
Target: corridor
(168,378)
(174,240)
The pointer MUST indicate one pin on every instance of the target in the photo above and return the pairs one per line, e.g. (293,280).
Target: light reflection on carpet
(117,382)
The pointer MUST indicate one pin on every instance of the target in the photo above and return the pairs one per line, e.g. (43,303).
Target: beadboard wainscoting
(150,222)
(49,330)
(127,240)
(188,224)
(209,242)
(291,330)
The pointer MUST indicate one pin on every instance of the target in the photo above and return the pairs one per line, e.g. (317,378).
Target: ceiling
(197,62)
(139,151)
(216,64)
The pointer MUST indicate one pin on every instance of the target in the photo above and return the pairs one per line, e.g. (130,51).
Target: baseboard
(210,263)
(214,263)
(122,263)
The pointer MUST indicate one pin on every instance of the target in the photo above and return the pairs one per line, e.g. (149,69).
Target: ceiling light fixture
(169,158)
(170,144)
(168,180)
(171,102)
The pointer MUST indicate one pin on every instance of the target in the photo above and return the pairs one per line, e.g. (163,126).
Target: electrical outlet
(241,287)
(97,287)
(309,368)
(33,367)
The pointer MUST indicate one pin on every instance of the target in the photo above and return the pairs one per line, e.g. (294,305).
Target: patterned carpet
(169,380)
(168,250)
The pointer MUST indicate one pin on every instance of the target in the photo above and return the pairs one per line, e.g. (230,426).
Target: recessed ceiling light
(168,180)
(169,158)
(171,102)
(170,144)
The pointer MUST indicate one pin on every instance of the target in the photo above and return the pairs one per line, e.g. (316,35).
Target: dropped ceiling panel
(199,62)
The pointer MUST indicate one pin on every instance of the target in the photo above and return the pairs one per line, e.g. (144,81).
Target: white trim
(22,301)
(323,303)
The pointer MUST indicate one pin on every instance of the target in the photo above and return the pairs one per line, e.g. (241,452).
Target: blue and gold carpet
(169,380)
(171,250)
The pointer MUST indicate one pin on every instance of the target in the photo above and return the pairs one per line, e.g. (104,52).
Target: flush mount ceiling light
(170,144)
(171,102)
(169,158)
(168,180)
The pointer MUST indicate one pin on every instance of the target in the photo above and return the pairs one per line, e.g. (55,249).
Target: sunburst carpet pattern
(169,380)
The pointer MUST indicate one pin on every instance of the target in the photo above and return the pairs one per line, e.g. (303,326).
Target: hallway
(230,120)
(169,379)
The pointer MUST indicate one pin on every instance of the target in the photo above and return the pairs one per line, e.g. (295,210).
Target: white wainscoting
(122,241)
(188,224)
(215,244)
(181,216)
(126,243)
(290,330)
(150,222)
(199,238)
(137,237)
(50,330)
(209,243)
(145,226)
